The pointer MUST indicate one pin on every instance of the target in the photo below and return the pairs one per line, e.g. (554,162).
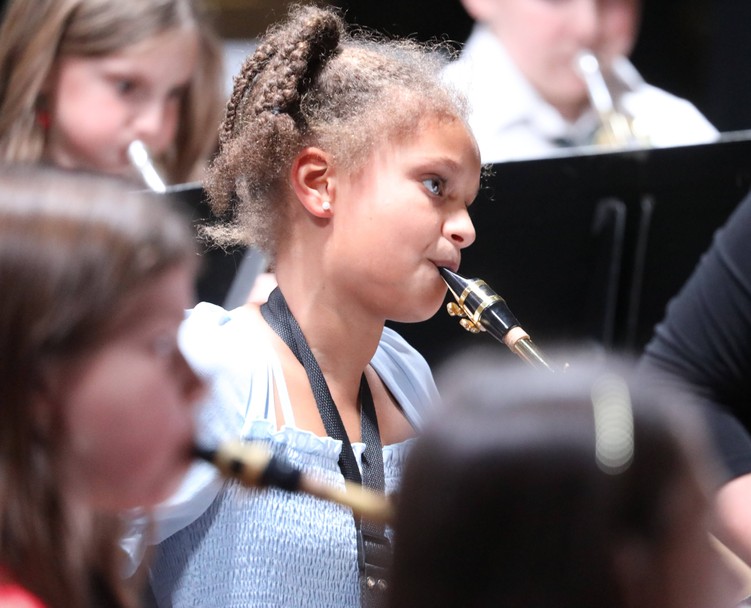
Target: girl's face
(403,215)
(128,406)
(98,105)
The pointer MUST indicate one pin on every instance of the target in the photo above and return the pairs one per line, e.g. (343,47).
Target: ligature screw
(455,310)
(469,326)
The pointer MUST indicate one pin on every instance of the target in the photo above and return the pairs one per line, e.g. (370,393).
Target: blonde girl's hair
(35,33)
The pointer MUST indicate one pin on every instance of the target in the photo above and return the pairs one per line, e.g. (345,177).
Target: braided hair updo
(311,82)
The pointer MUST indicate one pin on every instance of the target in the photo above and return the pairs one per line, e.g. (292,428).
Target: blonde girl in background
(82,79)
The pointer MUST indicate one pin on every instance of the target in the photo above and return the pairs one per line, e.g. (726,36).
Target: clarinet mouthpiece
(480,308)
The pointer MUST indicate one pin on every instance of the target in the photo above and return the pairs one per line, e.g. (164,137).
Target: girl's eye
(434,185)
(125,86)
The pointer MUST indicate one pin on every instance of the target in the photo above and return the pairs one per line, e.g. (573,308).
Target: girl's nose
(585,21)
(461,230)
(155,125)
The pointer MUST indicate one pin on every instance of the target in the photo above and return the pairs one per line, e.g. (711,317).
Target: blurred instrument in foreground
(254,466)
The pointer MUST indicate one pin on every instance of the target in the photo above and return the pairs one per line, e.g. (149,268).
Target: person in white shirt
(528,98)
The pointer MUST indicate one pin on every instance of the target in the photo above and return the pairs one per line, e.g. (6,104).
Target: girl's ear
(313,179)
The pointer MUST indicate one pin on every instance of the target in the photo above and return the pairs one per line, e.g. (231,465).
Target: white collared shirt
(511,121)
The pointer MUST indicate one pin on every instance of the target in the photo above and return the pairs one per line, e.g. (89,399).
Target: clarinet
(254,466)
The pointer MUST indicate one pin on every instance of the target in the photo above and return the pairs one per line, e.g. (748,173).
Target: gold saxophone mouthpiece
(482,309)
(254,466)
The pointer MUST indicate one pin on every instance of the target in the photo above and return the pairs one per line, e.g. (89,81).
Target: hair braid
(242,83)
(297,60)
(264,107)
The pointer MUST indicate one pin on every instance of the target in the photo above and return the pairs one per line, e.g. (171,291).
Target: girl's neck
(342,332)
(342,337)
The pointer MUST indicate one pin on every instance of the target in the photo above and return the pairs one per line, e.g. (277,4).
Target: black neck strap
(373,547)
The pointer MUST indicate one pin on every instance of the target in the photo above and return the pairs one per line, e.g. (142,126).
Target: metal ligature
(482,309)
(139,157)
(254,466)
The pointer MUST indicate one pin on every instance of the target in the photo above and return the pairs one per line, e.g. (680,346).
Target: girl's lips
(452,266)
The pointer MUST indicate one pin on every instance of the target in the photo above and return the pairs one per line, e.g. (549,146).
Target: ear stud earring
(326,206)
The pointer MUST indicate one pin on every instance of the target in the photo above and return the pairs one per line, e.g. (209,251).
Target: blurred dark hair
(506,500)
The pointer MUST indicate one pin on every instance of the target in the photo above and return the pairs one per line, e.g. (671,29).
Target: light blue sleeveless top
(225,546)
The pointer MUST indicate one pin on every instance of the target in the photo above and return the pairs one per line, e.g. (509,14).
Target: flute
(139,157)
(482,309)
(254,466)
